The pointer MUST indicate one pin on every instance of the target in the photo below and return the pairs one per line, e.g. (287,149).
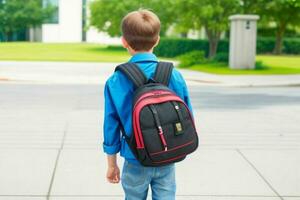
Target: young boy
(140,35)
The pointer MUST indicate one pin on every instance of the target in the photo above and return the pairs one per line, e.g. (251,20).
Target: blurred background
(48,30)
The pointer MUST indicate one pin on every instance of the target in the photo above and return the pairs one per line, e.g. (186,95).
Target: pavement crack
(259,173)
(56,161)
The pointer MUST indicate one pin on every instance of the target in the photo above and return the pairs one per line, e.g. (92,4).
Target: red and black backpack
(163,126)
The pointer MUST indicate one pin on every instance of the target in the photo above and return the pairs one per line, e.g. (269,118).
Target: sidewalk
(68,72)
(242,80)
(51,137)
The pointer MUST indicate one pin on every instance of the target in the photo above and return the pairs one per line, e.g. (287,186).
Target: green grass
(24,51)
(270,65)
(82,52)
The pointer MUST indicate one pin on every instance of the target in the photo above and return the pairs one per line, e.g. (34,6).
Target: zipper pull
(161,134)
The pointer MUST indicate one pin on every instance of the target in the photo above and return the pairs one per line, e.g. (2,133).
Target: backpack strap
(163,72)
(134,73)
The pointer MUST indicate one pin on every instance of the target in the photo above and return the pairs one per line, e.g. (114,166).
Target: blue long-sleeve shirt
(118,94)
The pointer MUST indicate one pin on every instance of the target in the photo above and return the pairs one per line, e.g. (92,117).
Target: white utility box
(242,41)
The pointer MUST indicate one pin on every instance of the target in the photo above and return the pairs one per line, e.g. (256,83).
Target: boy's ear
(124,42)
(157,42)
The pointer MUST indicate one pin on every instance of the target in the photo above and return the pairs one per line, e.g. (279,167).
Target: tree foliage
(283,13)
(212,15)
(106,15)
(16,15)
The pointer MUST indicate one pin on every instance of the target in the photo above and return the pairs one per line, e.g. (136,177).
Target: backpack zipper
(156,93)
(159,127)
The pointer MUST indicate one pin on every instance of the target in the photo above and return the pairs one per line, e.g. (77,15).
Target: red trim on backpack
(171,159)
(136,114)
(177,147)
(153,93)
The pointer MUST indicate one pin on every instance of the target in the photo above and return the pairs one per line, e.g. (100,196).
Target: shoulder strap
(134,73)
(163,72)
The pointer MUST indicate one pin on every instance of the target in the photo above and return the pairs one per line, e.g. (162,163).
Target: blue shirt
(118,94)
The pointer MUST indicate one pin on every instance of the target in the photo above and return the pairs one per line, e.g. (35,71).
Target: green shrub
(291,46)
(223,46)
(259,65)
(192,58)
(172,47)
(265,45)
(222,57)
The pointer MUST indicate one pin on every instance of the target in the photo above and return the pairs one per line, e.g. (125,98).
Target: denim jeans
(136,180)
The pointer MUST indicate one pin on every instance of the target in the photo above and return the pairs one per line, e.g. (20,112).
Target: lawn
(25,51)
(83,52)
(270,65)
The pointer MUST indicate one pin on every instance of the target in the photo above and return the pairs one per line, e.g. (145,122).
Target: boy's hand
(113,171)
(113,174)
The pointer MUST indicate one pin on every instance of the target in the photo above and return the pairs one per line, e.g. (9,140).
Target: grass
(82,52)
(24,51)
(270,65)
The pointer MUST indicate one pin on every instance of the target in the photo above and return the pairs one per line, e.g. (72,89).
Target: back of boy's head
(141,29)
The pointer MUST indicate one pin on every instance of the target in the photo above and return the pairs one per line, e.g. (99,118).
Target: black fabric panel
(153,143)
(168,118)
(163,72)
(167,114)
(134,73)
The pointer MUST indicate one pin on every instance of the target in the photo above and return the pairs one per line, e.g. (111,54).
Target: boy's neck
(133,52)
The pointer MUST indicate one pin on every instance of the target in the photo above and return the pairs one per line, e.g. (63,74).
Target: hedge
(172,47)
(291,46)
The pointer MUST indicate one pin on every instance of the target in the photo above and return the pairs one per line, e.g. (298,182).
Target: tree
(212,15)
(185,14)
(106,15)
(15,15)
(283,13)
(250,6)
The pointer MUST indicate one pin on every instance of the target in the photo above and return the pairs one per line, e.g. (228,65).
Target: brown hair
(141,29)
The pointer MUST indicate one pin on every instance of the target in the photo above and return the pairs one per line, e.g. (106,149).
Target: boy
(140,35)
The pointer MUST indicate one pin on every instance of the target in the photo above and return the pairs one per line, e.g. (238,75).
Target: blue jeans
(136,180)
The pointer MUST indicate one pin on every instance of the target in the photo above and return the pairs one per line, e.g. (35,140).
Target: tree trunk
(183,34)
(8,36)
(213,39)
(5,36)
(279,38)
(213,46)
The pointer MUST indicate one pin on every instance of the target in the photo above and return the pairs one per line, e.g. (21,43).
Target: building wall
(69,27)
(94,36)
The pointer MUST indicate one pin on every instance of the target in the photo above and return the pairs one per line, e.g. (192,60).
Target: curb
(224,84)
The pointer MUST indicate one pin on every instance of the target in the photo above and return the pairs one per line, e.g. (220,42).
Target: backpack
(163,126)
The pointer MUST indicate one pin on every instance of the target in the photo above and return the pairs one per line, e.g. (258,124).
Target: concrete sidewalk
(68,72)
(51,138)
(242,80)
(51,135)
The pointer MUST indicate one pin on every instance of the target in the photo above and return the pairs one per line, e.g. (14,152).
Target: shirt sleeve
(186,95)
(111,130)
(178,84)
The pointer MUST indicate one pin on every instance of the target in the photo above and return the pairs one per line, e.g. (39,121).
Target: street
(51,141)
